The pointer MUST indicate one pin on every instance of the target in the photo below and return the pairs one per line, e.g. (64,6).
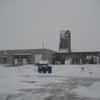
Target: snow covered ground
(67,82)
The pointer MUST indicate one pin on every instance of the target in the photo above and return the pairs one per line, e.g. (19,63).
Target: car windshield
(44,65)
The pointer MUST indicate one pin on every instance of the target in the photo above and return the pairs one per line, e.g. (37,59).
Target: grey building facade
(66,56)
(63,56)
(30,56)
(92,57)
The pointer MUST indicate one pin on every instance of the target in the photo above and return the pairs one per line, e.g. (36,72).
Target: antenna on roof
(43,44)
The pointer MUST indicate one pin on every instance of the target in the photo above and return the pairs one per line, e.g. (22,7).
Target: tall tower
(65,41)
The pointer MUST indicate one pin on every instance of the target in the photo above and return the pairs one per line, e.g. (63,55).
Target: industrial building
(29,56)
(63,56)
(66,56)
(77,58)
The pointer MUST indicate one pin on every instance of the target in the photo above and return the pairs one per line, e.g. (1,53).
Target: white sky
(24,24)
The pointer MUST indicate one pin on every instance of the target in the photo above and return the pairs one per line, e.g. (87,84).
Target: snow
(92,91)
(66,81)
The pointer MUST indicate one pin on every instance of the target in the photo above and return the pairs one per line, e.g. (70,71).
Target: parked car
(44,68)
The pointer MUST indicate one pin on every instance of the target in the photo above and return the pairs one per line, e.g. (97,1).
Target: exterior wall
(77,58)
(3,60)
(10,60)
(52,57)
(37,58)
(10,56)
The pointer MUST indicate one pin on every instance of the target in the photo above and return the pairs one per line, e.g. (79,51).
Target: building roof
(26,51)
(79,53)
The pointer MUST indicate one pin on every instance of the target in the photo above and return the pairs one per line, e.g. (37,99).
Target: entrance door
(24,61)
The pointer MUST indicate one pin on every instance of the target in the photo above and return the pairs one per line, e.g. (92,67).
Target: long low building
(64,56)
(92,57)
(29,56)
(32,56)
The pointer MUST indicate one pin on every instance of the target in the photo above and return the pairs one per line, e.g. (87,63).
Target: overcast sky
(25,24)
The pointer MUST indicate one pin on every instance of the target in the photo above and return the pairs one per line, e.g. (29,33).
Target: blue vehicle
(44,68)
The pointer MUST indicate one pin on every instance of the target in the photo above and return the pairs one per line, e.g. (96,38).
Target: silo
(65,41)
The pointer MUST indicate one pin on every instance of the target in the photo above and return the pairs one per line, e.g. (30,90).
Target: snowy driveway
(66,82)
